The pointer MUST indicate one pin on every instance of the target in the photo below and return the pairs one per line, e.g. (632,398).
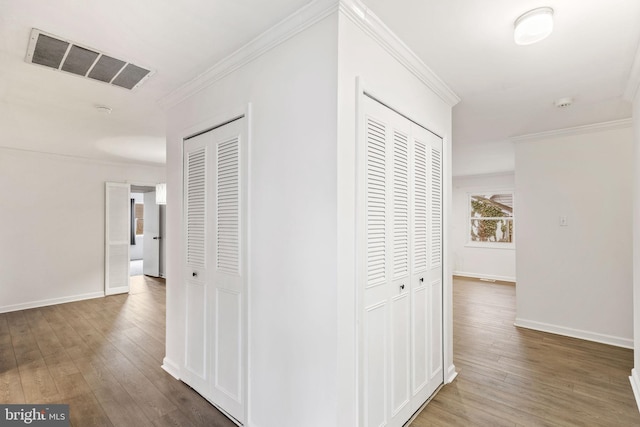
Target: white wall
(483,158)
(52,234)
(576,280)
(635,377)
(292,197)
(488,263)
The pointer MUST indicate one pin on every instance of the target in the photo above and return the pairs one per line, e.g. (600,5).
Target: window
(491,219)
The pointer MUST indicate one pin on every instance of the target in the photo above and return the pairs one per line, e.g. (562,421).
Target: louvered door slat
(400,205)
(228,207)
(420,207)
(376,202)
(436,208)
(196,207)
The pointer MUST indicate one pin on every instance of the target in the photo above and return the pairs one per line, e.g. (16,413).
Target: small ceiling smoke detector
(103,109)
(563,102)
(533,26)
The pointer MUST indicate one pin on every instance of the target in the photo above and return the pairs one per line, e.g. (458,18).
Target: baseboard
(118,290)
(52,301)
(484,276)
(171,368)
(635,385)
(575,333)
(451,374)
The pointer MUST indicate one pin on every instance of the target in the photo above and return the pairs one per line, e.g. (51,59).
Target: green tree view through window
(491,218)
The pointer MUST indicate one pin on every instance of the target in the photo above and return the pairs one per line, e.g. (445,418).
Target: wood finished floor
(510,376)
(102,357)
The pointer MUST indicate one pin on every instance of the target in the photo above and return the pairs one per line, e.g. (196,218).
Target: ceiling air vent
(53,52)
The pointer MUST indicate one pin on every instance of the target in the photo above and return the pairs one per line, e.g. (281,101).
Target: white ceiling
(506,90)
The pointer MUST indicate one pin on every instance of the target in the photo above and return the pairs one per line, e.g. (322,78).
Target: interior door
(151,233)
(401,332)
(117,238)
(215,207)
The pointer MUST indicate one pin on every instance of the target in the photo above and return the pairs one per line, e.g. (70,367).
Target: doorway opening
(147,229)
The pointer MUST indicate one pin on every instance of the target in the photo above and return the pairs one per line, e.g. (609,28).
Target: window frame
(492,245)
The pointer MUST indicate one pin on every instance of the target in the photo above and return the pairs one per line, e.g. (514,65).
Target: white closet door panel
(400,204)
(227,237)
(196,371)
(420,360)
(435,225)
(428,209)
(376,202)
(376,390)
(420,206)
(117,237)
(228,207)
(196,351)
(400,353)
(436,357)
(196,201)
(227,370)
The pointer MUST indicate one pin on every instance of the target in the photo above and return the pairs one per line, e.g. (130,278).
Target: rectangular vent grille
(53,52)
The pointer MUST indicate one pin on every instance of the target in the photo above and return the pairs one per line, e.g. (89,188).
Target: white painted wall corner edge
(635,385)
(575,333)
(171,368)
(52,301)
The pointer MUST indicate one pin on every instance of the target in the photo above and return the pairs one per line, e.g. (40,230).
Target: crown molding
(84,159)
(366,20)
(300,20)
(295,23)
(633,83)
(577,130)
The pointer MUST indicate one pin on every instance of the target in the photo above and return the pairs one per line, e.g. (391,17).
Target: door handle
(157,238)
(402,287)
(194,274)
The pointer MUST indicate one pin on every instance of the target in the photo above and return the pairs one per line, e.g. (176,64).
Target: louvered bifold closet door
(215,230)
(228,227)
(427,362)
(196,186)
(117,238)
(400,311)
(387,304)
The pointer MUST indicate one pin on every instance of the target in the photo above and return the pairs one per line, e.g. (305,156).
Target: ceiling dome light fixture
(533,26)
